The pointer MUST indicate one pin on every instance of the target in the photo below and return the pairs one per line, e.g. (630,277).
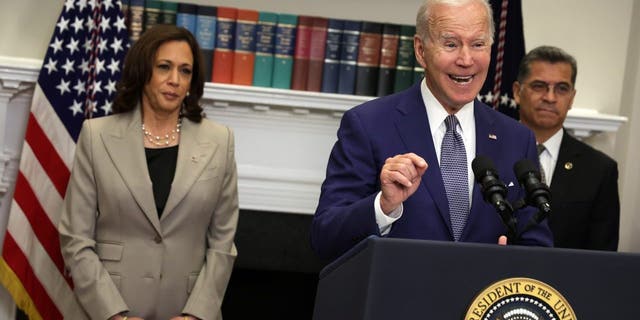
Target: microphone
(494,191)
(537,193)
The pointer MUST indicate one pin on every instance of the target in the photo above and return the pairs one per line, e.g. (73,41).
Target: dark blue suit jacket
(397,124)
(584,198)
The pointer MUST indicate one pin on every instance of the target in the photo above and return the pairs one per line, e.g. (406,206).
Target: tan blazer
(120,255)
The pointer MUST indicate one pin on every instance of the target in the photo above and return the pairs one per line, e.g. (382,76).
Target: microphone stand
(505,210)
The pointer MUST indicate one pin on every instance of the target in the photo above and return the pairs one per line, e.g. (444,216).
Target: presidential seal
(520,299)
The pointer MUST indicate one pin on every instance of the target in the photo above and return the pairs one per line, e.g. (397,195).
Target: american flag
(506,53)
(77,81)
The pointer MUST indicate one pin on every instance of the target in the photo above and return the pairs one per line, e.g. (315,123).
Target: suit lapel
(125,146)
(486,145)
(194,154)
(568,153)
(411,122)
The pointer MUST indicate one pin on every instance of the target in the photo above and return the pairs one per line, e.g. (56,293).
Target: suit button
(157,239)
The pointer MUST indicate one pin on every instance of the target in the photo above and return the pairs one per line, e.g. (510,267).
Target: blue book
(206,36)
(331,66)
(186,17)
(265,44)
(349,57)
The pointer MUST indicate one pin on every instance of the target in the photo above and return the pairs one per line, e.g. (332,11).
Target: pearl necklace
(164,140)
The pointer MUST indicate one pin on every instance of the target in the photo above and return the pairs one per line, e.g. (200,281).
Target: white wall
(598,33)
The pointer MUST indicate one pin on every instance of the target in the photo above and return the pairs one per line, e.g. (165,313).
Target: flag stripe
(52,126)
(55,284)
(47,155)
(44,230)
(45,191)
(20,265)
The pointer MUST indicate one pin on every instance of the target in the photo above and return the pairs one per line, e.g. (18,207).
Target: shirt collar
(436,113)
(553,144)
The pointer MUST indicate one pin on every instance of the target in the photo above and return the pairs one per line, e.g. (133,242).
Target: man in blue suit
(385,173)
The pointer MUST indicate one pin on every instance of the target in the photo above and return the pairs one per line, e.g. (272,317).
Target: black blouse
(162,167)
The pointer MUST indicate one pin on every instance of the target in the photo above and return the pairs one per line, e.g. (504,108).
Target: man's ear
(516,91)
(573,95)
(418,49)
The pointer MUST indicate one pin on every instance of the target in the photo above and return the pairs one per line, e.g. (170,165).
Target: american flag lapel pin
(493,136)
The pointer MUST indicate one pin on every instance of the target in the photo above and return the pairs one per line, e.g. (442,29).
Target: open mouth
(461,79)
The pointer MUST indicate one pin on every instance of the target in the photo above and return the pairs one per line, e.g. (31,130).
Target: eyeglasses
(560,89)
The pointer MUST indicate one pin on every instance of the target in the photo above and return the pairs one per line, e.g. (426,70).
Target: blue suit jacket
(397,124)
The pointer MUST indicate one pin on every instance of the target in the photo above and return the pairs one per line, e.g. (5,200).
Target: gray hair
(424,13)
(547,54)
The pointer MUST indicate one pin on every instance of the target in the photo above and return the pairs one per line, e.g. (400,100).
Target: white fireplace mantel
(283,137)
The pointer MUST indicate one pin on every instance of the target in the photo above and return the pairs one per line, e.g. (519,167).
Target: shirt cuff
(385,221)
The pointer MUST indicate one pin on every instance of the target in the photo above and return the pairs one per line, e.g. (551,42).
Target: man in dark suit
(583,181)
(402,164)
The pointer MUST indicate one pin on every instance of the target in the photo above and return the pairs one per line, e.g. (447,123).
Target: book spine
(368,59)
(124,5)
(302,52)
(152,10)
(284,50)
(169,12)
(245,47)
(265,44)
(349,57)
(406,59)
(206,35)
(388,59)
(316,53)
(186,17)
(223,53)
(332,56)
(136,19)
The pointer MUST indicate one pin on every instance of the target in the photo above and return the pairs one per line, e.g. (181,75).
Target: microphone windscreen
(523,167)
(480,165)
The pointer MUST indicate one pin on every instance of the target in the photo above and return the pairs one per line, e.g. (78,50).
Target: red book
(300,71)
(316,53)
(368,58)
(223,55)
(245,49)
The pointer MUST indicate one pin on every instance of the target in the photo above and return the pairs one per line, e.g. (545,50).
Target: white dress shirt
(549,157)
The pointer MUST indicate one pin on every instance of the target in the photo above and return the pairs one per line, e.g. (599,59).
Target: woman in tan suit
(151,208)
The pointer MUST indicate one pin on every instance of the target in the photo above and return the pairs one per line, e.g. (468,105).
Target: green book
(284,47)
(406,59)
(152,10)
(169,12)
(265,44)
(418,73)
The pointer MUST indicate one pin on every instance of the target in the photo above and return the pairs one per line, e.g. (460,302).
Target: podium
(382,278)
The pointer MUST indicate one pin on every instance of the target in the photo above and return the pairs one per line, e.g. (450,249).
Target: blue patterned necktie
(453,164)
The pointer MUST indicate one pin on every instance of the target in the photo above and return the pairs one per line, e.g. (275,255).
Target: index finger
(417,160)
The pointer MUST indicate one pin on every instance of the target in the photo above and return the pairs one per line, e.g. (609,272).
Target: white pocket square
(510,184)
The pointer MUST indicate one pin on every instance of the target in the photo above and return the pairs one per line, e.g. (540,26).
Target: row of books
(266,49)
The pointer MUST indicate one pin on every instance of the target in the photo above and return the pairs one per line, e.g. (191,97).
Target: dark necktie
(453,163)
(541,149)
